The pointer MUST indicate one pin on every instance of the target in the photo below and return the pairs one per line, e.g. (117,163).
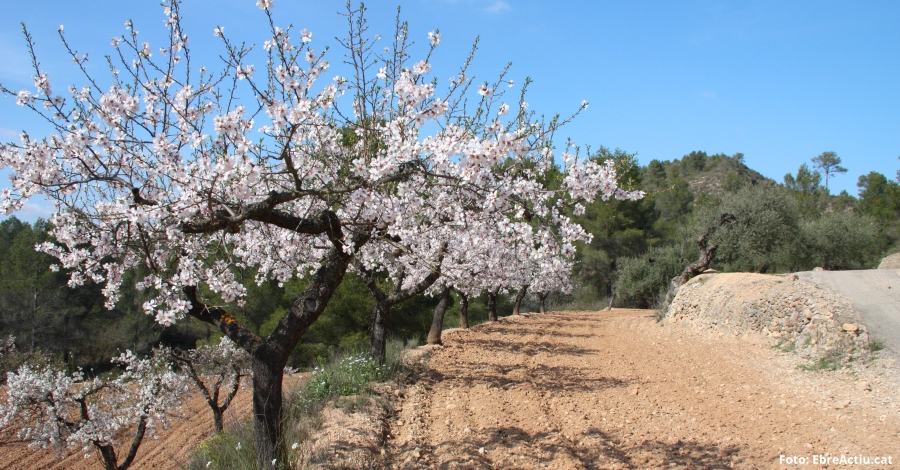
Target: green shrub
(765,238)
(842,240)
(644,277)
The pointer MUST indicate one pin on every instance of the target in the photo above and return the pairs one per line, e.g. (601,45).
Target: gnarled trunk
(706,255)
(519,296)
(542,297)
(384,302)
(269,355)
(437,323)
(108,454)
(218,423)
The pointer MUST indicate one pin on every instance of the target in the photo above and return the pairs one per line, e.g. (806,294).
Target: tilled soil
(617,390)
(170,450)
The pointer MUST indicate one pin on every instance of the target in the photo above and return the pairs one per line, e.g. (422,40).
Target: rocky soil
(890,262)
(813,321)
(618,390)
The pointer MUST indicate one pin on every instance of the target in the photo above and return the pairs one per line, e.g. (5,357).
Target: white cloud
(497,7)
(16,65)
(7,135)
(33,211)
(490,6)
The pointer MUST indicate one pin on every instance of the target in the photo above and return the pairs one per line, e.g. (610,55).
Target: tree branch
(221,319)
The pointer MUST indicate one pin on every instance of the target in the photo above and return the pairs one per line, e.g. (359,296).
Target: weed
(786,345)
(661,304)
(876,346)
(343,379)
(831,361)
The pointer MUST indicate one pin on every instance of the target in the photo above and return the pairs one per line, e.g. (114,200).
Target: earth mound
(803,317)
(890,262)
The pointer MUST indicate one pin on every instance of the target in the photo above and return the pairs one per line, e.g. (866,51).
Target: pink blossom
(434,37)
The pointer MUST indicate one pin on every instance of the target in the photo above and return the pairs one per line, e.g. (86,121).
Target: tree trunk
(437,323)
(492,304)
(542,297)
(108,453)
(33,321)
(463,310)
(218,425)
(706,255)
(270,355)
(267,412)
(519,297)
(380,313)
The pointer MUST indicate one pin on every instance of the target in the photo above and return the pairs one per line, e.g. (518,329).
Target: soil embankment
(617,390)
(802,316)
(875,296)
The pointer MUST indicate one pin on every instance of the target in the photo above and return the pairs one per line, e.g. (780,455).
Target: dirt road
(874,294)
(616,390)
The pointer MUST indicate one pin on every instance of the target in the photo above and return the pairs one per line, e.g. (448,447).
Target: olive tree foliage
(644,278)
(765,236)
(842,240)
(183,175)
(111,417)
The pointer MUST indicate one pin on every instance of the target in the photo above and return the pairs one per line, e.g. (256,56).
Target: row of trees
(163,183)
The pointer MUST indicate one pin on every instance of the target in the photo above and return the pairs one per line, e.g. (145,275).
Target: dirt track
(616,390)
(599,390)
(875,295)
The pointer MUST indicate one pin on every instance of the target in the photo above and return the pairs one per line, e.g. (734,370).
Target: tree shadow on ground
(530,328)
(596,449)
(542,377)
(499,345)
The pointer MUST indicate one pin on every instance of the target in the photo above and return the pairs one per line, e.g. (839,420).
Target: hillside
(705,174)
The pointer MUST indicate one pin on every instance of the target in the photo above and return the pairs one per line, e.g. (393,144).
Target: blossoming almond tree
(169,168)
(52,408)
(216,371)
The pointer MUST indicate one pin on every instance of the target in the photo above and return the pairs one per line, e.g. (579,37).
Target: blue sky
(778,81)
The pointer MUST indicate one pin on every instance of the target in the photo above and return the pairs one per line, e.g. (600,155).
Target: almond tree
(182,175)
(216,371)
(70,412)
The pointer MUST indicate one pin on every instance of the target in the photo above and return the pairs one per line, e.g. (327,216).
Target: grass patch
(876,346)
(831,361)
(344,379)
(661,303)
(786,345)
